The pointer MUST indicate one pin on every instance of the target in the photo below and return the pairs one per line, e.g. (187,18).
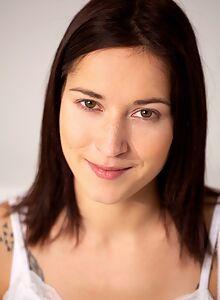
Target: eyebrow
(136,102)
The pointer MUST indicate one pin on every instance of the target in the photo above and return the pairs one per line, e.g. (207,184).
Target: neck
(126,218)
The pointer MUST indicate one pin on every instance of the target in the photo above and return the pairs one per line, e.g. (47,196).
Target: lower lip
(106,174)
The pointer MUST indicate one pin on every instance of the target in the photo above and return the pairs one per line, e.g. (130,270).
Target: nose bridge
(113,139)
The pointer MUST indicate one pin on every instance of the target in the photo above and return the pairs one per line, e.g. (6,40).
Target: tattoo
(6,237)
(34,266)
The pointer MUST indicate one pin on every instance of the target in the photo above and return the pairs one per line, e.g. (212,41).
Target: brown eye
(90,103)
(146,113)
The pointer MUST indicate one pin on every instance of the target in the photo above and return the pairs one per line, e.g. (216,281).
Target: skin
(115,133)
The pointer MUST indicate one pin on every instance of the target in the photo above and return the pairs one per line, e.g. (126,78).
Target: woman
(118,208)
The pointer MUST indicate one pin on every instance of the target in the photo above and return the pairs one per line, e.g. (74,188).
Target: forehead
(121,70)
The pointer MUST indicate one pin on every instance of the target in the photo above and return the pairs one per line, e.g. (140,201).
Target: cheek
(153,143)
(73,133)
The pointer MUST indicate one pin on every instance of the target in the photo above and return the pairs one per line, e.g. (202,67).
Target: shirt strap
(213,236)
(20,265)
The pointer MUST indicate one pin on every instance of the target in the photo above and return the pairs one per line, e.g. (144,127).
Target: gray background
(30,32)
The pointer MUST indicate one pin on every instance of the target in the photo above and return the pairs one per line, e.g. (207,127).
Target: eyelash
(155,112)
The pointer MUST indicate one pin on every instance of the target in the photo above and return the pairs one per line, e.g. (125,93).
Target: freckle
(5,225)
(1,239)
(4,232)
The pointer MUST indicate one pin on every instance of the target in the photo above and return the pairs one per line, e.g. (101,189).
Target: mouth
(107,172)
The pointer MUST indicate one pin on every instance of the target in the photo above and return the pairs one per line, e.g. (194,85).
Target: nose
(111,141)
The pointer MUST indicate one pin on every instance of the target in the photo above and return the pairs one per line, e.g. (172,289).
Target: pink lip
(106,173)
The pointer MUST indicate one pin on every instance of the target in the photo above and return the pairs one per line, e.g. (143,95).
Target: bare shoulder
(210,202)
(6,247)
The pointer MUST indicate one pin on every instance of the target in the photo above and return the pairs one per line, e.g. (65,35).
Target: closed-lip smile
(111,172)
(112,168)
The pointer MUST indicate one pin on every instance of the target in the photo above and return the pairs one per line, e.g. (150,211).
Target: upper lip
(109,168)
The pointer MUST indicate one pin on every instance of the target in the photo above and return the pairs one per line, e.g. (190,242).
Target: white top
(26,285)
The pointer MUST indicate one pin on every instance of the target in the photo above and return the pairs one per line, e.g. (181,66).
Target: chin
(107,202)
(106,198)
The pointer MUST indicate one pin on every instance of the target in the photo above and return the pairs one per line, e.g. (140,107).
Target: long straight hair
(159,26)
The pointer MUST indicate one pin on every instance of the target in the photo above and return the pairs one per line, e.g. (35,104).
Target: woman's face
(115,112)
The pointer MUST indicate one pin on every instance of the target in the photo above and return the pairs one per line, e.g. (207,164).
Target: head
(115,112)
(126,51)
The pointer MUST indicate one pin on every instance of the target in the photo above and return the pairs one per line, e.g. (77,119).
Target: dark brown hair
(161,27)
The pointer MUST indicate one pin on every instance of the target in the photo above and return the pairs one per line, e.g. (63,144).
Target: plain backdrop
(30,32)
